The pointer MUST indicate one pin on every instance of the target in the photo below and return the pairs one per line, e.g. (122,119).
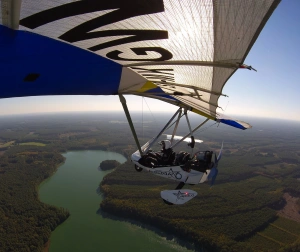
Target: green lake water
(75,186)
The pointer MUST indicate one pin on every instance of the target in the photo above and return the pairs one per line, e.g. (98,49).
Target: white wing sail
(181,52)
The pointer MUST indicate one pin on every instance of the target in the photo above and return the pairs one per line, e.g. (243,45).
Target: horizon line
(133,111)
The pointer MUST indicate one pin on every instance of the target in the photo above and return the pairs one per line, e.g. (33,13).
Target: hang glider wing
(181,52)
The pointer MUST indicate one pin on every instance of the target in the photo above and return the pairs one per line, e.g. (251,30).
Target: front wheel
(137,168)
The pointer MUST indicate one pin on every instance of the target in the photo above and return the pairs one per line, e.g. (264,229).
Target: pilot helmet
(166,144)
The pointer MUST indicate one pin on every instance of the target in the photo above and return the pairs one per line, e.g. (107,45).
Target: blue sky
(272,92)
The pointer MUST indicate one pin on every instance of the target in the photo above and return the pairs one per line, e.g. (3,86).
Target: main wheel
(138,169)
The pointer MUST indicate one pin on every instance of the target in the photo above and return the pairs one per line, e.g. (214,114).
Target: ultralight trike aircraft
(183,166)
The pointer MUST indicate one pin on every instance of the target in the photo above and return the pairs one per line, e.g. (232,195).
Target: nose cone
(136,156)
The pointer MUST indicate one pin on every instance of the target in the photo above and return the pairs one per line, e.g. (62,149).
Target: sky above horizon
(271,92)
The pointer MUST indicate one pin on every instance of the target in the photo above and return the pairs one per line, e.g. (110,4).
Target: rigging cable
(150,112)
(203,129)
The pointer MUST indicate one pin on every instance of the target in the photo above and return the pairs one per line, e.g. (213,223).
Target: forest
(108,165)
(26,223)
(239,213)
(30,152)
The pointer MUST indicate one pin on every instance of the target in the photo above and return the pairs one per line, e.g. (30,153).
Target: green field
(33,143)
(279,234)
(6,144)
(239,213)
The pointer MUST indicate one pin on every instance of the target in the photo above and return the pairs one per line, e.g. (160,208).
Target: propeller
(214,171)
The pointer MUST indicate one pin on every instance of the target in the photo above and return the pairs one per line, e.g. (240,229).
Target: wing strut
(124,104)
(10,12)
(178,112)
(199,126)
(192,143)
(176,125)
(163,130)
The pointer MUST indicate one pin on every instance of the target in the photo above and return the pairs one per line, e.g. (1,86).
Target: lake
(75,186)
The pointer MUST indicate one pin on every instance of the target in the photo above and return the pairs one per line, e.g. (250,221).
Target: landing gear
(138,169)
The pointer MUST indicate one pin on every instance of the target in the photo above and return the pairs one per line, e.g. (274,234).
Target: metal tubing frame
(10,12)
(191,132)
(199,126)
(123,101)
(176,125)
(179,111)
(188,122)
(163,130)
(187,63)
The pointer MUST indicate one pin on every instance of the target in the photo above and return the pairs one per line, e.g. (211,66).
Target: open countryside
(253,205)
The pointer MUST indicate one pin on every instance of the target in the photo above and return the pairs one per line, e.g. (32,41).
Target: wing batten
(187,63)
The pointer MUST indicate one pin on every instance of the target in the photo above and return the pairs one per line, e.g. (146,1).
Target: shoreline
(48,243)
(46,246)
(156,230)
(166,235)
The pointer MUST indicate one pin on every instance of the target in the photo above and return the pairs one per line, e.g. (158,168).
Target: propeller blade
(213,175)
(220,153)
(214,171)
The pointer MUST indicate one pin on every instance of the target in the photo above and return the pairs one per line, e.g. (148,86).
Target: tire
(138,169)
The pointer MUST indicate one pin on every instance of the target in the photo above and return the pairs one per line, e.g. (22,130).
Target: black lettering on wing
(126,11)
(122,10)
(135,35)
(131,7)
(163,75)
(165,55)
(67,10)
